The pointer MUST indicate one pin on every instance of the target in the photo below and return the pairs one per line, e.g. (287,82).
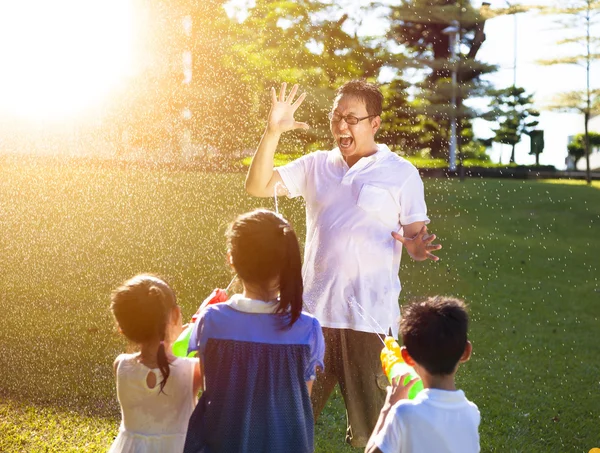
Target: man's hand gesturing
(281,115)
(420,246)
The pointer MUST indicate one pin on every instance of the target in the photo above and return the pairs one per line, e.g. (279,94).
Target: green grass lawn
(417,161)
(523,254)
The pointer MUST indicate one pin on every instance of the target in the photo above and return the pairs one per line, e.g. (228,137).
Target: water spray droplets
(373,324)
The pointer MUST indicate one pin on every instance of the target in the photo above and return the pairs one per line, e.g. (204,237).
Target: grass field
(523,254)
(417,161)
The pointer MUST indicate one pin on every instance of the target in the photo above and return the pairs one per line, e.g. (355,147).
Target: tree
(578,18)
(401,126)
(577,147)
(305,41)
(421,27)
(513,109)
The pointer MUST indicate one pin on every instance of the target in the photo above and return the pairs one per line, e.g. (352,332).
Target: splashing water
(231,283)
(373,324)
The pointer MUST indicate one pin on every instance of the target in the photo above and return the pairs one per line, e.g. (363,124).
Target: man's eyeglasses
(349,119)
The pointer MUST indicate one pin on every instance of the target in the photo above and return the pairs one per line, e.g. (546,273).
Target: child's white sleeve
(389,439)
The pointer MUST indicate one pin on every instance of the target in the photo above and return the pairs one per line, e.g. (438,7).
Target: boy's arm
(398,391)
(371,447)
(262,178)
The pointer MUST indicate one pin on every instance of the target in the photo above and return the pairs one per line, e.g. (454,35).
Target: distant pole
(453,122)
(512,154)
(452,32)
(588,109)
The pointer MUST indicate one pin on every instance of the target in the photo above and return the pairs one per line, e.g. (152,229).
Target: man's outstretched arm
(262,179)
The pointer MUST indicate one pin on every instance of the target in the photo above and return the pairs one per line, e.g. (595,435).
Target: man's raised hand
(281,115)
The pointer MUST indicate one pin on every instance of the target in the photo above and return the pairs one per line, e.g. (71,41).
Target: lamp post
(512,154)
(452,32)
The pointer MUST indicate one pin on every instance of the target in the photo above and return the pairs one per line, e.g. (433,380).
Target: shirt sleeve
(389,439)
(118,361)
(317,352)
(195,343)
(412,201)
(294,175)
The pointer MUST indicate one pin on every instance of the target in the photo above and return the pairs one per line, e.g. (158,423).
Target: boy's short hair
(434,332)
(367,92)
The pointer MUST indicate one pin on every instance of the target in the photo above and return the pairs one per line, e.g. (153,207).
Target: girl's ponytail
(163,364)
(158,298)
(290,278)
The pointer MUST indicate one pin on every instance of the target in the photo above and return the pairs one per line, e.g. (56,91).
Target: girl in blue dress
(258,351)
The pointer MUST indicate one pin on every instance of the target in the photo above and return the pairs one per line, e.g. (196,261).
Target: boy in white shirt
(440,419)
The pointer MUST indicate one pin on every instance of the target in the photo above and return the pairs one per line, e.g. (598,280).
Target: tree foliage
(307,42)
(421,27)
(203,85)
(577,146)
(579,17)
(514,111)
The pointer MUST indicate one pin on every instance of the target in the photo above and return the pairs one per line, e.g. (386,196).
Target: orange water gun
(394,366)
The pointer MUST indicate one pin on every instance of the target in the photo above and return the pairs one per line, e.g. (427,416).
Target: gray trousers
(352,360)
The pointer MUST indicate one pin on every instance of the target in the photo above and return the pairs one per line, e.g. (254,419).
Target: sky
(61,56)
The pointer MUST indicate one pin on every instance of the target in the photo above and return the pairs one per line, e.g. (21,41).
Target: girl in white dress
(156,390)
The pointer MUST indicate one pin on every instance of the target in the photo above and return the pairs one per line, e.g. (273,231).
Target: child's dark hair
(367,92)
(142,307)
(264,248)
(434,332)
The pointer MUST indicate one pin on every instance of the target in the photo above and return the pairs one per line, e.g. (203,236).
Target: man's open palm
(281,116)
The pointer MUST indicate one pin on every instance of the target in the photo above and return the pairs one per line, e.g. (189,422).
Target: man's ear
(467,352)
(229,258)
(376,124)
(406,357)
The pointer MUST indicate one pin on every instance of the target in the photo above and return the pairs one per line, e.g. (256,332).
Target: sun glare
(61,58)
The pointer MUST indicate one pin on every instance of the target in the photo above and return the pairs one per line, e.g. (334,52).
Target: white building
(593,126)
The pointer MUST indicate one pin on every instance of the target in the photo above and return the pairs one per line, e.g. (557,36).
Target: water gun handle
(181,345)
(394,366)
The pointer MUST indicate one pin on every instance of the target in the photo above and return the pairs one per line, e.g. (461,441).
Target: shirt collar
(443,396)
(241,303)
(382,151)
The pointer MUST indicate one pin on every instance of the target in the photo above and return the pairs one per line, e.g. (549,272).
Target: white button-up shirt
(351,261)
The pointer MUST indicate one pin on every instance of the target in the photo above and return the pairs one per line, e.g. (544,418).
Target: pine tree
(579,17)
(514,111)
(420,26)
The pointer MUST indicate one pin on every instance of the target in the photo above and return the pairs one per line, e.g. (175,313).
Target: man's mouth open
(345,141)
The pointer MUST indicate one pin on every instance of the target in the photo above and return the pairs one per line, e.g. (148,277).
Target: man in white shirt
(363,203)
